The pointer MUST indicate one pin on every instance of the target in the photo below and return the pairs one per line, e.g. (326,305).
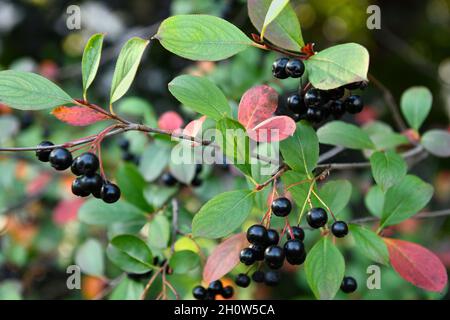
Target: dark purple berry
(44,154)
(339,229)
(317,217)
(294,251)
(354,104)
(274,257)
(296,104)
(78,188)
(279,68)
(199,293)
(242,280)
(337,108)
(297,232)
(60,159)
(110,192)
(313,98)
(168,179)
(349,285)
(257,234)
(87,163)
(273,237)
(272,278)
(295,68)
(227,292)
(281,207)
(247,256)
(258,276)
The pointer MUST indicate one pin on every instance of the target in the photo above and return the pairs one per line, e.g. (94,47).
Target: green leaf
(201,95)
(387,168)
(234,143)
(91,60)
(301,151)
(184,261)
(338,65)
(284,31)
(404,200)
(130,253)
(324,268)
(336,194)
(299,192)
(90,259)
(383,137)
(416,105)
(369,244)
(132,186)
(159,232)
(437,142)
(10,126)
(157,196)
(154,160)
(95,212)
(201,37)
(182,162)
(127,289)
(374,201)
(29,91)
(126,67)
(339,133)
(223,214)
(276,6)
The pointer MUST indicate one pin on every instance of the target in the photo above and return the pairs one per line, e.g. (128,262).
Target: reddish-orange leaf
(38,183)
(78,116)
(170,121)
(273,129)
(257,104)
(224,258)
(194,127)
(67,210)
(417,264)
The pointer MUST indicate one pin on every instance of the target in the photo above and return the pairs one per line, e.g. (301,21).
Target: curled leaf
(78,116)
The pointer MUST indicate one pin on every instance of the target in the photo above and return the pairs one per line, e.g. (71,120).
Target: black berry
(242,280)
(354,104)
(272,278)
(257,234)
(294,251)
(78,188)
(337,108)
(297,232)
(295,68)
(339,229)
(110,193)
(274,257)
(43,155)
(216,286)
(317,217)
(227,292)
(87,163)
(92,183)
(259,251)
(281,207)
(335,94)
(313,98)
(168,179)
(60,159)
(296,104)
(247,256)
(273,237)
(349,285)
(258,276)
(314,115)
(279,68)
(199,293)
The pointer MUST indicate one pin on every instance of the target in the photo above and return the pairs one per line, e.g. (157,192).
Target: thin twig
(422,215)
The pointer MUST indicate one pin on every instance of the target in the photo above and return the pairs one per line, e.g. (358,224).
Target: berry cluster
(317,218)
(85,167)
(169,180)
(316,105)
(215,288)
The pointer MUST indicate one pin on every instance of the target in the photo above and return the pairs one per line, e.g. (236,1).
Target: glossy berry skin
(242,280)
(354,104)
(294,251)
(335,94)
(258,276)
(227,292)
(168,179)
(313,98)
(110,193)
(210,295)
(87,163)
(92,183)
(297,232)
(337,108)
(339,229)
(296,104)
(272,278)
(295,68)
(247,256)
(314,115)
(216,286)
(273,237)
(199,293)
(78,188)
(279,68)
(60,159)
(274,257)
(257,234)
(281,207)
(349,285)
(43,155)
(74,168)
(317,217)
(258,250)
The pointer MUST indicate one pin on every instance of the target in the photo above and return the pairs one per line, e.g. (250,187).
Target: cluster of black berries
(127,155)
(318,217)
(215,288)
(170,181)
(85,167)
(317,105)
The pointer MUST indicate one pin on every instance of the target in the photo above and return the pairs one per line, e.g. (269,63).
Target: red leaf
(194,127)
(78,116)
(273,129)
(38,183)
(417,265)
(67,210)
(170,121)
(224,258)
(256,114)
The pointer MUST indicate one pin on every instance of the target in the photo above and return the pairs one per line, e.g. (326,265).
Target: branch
(422,215)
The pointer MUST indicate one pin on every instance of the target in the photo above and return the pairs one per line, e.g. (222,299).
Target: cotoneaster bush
(293,211)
